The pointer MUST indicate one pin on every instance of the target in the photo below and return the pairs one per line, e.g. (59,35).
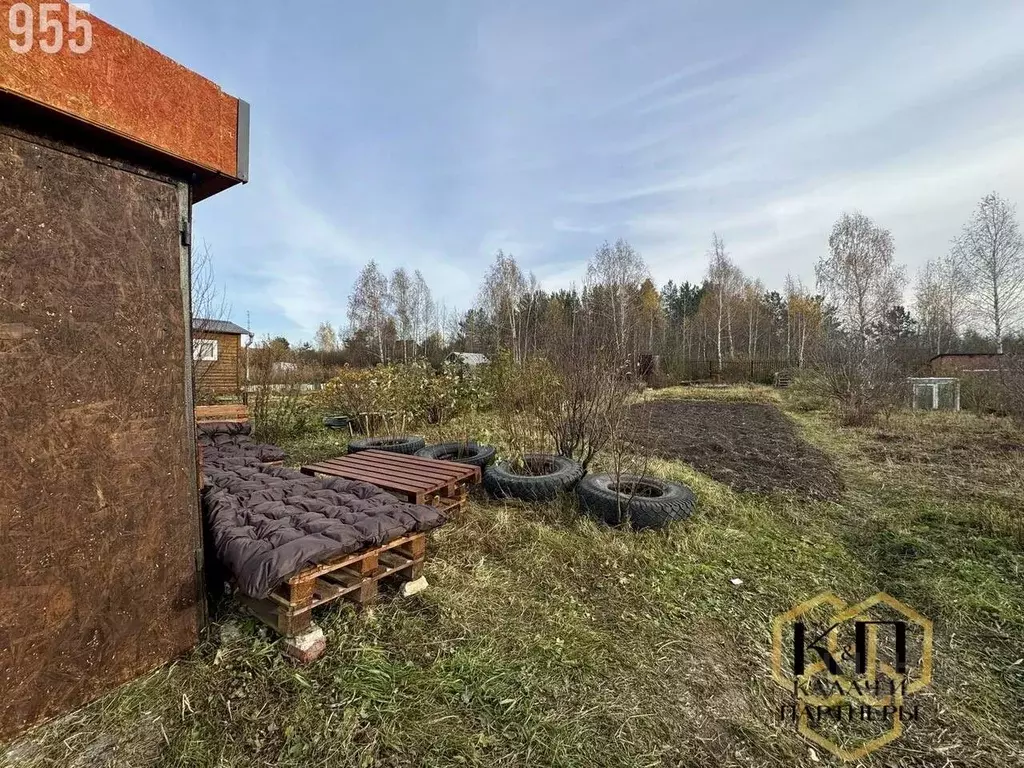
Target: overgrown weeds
(548,640)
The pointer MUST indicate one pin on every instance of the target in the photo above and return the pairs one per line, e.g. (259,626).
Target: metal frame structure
(933,382)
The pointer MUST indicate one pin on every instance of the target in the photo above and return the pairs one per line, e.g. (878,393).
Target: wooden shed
(218,358)
(104,147)
(960,363)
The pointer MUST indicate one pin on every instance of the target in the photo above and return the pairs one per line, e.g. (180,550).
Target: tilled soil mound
(747,446)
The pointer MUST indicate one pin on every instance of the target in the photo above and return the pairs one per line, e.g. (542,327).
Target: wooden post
(299,614)
(368,566)
(417,550)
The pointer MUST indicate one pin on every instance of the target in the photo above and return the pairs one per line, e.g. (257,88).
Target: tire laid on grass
(551,475)
(464,453)
(408,444)
(644,502)
(336,422)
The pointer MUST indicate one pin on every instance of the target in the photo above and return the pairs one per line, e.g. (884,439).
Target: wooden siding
(957,364)
(223,376)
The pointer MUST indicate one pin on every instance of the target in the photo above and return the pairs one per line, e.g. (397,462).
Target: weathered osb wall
(222,376)
(128,88)
(98,526)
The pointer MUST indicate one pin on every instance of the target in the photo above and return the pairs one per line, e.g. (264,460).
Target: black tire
(337,422)
(560,474)
(464,453)
(647,502)
(408,444)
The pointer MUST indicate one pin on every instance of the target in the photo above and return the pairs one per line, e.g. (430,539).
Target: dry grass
(546,640)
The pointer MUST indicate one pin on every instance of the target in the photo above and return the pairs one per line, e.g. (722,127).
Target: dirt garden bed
(747,446)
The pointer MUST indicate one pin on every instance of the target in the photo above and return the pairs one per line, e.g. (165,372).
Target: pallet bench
(445,484)
(355,578)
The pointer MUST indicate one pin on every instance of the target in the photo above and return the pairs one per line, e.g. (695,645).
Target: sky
(428,134)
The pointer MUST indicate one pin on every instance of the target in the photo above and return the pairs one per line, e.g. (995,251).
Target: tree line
(968,299)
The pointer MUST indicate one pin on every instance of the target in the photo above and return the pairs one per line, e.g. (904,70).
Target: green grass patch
(547,640)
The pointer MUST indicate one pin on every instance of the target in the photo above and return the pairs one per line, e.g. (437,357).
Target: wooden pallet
(445,484)
(289,608)
(224,412)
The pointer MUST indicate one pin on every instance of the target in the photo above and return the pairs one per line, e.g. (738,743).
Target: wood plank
(420,462)
(401,461)
(339,468)
(228,412)
(447,470)
(405,468)
(380,479)
(387,478)
(454,490)
(333,565)
(409,473)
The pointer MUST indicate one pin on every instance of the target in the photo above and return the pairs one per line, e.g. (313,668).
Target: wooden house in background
(961,363)
(218,357)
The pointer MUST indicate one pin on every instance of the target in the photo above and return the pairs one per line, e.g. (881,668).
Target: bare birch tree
(803,318)
(617,272)
(928,305)
(991,250)
(423,309)
(401,291)
(753,290)
(501,297)
(326,338)
(859,275)
(724,281)
(369,307)
(942,294)
(208,302)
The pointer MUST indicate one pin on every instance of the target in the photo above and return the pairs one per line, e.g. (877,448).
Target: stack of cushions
(268,523)
(219,439)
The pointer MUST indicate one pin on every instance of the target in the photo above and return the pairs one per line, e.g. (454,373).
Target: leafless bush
(587,410)
(863,381)
(982,392)
(277,405)
(522,392)
(208,302)
(1011,375)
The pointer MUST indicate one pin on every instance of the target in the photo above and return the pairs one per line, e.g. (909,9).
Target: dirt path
(747,446)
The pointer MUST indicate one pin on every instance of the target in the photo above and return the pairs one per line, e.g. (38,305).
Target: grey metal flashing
(242,151)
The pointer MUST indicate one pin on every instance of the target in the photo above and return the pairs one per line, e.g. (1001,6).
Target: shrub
(807,391)
(277,406)
(391,397)
(981,393)
(1011,376)
(862,381)
(522,392)
(574,400)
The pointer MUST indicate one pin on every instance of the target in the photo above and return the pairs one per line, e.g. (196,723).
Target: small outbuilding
(958,363)
(469,359)
(217,357)
(934,393)
(105,145)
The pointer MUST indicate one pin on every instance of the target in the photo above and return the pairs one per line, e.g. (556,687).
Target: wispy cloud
(433,137)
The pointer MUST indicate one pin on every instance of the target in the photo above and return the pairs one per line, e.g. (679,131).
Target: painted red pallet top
(411,476)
